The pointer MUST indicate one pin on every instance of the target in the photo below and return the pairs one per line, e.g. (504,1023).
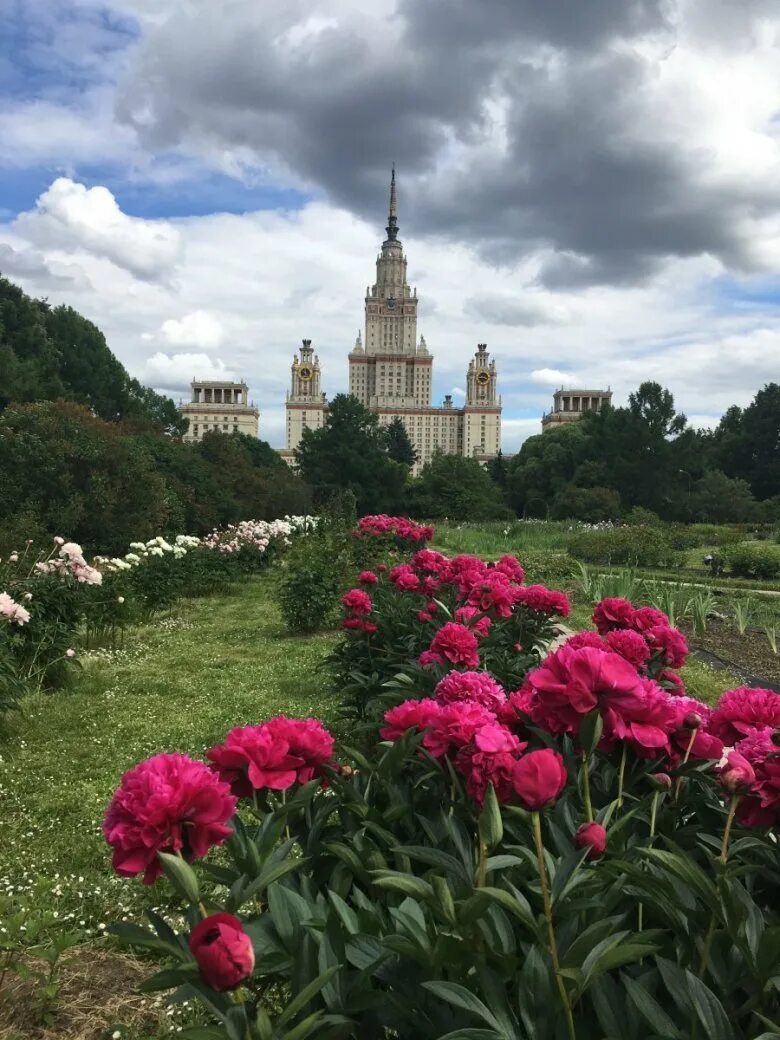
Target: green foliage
(399,444)
(623,546)
(745,443)
(590,504)
(754,560)
(350,453)
(458,488)
(557,570)
(721,499)
(312,578)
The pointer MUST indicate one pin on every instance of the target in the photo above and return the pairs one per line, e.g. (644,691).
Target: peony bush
(539,836)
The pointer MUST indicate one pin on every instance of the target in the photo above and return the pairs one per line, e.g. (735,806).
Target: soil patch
(96,998)
(749,656)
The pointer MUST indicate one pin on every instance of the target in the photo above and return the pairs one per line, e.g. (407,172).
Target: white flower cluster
(258,534)
(158,546)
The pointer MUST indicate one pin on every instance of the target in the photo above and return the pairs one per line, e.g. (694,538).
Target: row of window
(214,426)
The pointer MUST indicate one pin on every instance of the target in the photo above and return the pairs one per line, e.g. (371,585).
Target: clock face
(483,377)
(391,303)
(305,373)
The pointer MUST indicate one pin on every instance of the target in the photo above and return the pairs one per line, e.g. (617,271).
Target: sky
(591,187)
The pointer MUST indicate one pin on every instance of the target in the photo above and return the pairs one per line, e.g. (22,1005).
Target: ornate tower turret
(482,411)
(306,404)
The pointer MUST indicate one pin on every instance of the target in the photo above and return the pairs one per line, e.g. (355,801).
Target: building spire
(392,217)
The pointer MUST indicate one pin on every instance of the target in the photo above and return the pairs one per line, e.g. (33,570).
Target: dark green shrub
(640,517)
(754,560)
(313,573)
(624,546)
(556,570)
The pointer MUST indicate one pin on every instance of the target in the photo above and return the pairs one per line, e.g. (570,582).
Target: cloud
(603,138)
(175,372)
(517,310)
(198,329)
(70,215)
(553,377)
(25,262)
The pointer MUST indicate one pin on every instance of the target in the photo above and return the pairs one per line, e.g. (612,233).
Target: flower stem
(552,945)
(621,775)
(724,852)
(685,759)
(653,814)
(482,865)
(586,787)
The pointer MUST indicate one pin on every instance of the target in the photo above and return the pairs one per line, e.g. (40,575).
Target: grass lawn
(178,684)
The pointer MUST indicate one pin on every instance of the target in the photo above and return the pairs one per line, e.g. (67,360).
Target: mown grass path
(178,684)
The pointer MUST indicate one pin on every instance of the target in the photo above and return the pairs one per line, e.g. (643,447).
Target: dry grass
(96,999)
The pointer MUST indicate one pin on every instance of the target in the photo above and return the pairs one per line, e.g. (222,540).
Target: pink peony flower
(489,759)
(456,644)
(367,578)
(630,645)
(411,714)
(404,578)
(613,613)
(510,565)
(428,562)
(645,618)
(12,611)
(274,755)
(479,687)
(423,617)
(580,639)
(493,594)
(570,683)
(693,716)
(762,807)
(645,720)
(169,803)
(223,951)
(357,602)
(737,774)
(543,600)
(454,726)
(538,778)
(669,643)
(591,836)
(465,616)
(742,710)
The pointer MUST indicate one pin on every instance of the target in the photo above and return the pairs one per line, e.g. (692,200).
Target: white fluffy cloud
(553,377)
(175,372)
(198,329)
(69,216)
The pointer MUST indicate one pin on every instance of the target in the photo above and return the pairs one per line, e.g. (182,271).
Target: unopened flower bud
(662,781)
(692,720)
(28,541)
(120,599)
(59,541)
(737,775)
(346,771)
(13,558)
(28,596)
(70,653)
(593,837)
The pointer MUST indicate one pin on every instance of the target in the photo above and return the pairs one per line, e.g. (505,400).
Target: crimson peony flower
(740,711)
(645,720)
(456,644)
(423,617)
(426,561)
(168,803)
(404,578)
(671,682)
(670,643)
(705,744)
(762,807)
(223,951)
(357,601)
(479,687)
(538,778)
(464,572)
(645,618)
(352,623)
(570,683)
(737,774)
(367,578)
(613,612)
(454,726)
(580,639)
(465,615)
(543,600)
(510,565)
(370,627)
(411,714)
(494,593)
(629,644)
(430,586)
(489,759)
(274,755)
(592,836)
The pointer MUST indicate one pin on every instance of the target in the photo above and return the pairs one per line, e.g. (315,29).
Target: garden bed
(747,655)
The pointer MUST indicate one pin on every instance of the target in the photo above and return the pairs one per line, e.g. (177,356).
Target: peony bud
(692,720)
(13,558)
(737,775)
(120,599)
(28,541)
(59,541)
(538,778)
(223,951)
(28,596)
(422,616)
(346,771)
(70,653)
(662,781)
(592,836)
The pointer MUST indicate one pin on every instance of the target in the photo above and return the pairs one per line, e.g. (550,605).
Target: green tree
(458,488)
(498,471)
(719,499)
(590,504)
(349,453)
(399,443)
(746,444)
(544,465)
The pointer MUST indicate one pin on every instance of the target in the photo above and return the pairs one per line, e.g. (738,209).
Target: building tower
(307,406)
(570,405)
(482,411)
(220,406)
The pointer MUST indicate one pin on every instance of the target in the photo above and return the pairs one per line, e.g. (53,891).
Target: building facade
(570,405)
(391,372)
(224,407)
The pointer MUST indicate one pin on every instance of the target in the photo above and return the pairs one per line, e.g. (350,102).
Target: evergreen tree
(457,488)
(498,471)
(399,444)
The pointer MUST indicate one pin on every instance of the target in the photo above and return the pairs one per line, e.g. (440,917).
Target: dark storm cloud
(576,173)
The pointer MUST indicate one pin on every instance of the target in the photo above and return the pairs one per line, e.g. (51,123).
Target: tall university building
(391,373)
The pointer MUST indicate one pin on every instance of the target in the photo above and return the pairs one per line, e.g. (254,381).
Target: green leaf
(616,957)
(461,997)
(436,858)
(203,1033)
(519,909)
(267,877)
(590,731)
(472,1034)
(346,914)
(649,1008)
(302,999)
(406,883)
(135,935)
(181,875)
(674,980)
(169,977)
(304,1028)
(491,826)
(709,1009)
(606,995)
(686,870)
(444,897)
